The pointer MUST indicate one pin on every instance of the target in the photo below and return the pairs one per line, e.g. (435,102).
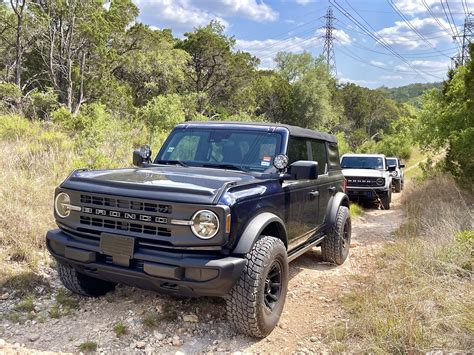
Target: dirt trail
(192,325)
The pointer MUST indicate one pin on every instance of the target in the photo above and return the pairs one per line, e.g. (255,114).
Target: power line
(403,17)
(374,35)
(328,49)
(438,21)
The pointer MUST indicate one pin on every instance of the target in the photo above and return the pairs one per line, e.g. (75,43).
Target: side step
(304,248)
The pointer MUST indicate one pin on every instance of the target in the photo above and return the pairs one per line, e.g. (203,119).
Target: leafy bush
(14,127)
(160,115)
(40,104)
(10,96)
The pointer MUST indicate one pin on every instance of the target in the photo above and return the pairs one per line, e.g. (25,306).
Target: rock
(177,341)
(159,336)
(313,339)
(283,326)
(140,344)
(2,343)
(33,337)
(4,296)
(191,318)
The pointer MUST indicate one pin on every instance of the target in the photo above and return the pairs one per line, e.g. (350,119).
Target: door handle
(332,189)
(314,193)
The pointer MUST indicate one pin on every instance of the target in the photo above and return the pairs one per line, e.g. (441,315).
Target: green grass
(66,301)
(26,305)
(120,329)
(355,210)
(88,346)
(150,320)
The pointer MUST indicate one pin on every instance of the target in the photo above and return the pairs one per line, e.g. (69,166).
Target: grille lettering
(125,215)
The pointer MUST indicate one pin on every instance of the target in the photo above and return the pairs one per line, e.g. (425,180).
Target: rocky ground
(129,319)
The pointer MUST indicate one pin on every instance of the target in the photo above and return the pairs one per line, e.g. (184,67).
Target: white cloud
(377,63)
(412,8)
(184,15)
(430,66)
(360,82)
(391,77)
(303,2)
(267,49)
(402,34)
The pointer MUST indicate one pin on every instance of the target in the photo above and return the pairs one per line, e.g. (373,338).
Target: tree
(447,121)
(311,96)
(70,41)
(214,69)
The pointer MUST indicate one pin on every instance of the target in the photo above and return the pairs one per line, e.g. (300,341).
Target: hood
(168,183)
(364,172)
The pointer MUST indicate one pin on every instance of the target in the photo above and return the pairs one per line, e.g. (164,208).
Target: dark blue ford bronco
(220,211)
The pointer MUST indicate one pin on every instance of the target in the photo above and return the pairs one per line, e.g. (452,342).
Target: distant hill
(410,93)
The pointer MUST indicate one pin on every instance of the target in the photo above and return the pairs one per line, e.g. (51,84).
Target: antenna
(328,50)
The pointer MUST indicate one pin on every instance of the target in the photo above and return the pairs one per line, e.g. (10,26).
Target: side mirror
(304,170)
(392,168)
(142,155)
(402,166)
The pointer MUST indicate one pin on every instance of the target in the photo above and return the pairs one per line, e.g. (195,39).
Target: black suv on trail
(220,211)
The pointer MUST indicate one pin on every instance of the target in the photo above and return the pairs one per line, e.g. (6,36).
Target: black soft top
(295,131)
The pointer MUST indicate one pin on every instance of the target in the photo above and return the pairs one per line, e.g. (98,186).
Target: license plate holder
(117,245)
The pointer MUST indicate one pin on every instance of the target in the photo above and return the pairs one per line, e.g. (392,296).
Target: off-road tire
(246,308)
(398,186)
(335,246)
(385,200)
(81,284)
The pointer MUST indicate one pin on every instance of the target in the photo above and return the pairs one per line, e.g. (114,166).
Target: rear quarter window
(333,156)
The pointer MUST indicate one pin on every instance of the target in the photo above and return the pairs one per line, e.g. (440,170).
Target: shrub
(10,96)
(14,127)
(161,114)
(40,104)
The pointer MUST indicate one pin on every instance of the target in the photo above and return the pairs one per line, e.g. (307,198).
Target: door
(325,184)
(301,197)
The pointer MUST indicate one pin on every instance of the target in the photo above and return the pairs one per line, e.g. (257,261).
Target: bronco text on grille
(365,181)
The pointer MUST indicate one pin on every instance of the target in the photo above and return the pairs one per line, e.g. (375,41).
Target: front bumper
(366,193)
(171,272)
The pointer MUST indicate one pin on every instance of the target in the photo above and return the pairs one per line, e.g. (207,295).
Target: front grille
(125,204)
(365,181)
(124,226)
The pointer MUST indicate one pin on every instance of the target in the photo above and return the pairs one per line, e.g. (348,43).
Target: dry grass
(34,158)
(420,298)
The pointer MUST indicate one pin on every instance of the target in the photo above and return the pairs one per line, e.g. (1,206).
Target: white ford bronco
(368,178)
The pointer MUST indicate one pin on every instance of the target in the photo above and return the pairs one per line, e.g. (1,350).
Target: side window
(318,149)
(333,155)
(297,149)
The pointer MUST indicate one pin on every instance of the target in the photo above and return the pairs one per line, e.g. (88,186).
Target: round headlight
(205,224)
(280,162)
(380,181)
(61,205)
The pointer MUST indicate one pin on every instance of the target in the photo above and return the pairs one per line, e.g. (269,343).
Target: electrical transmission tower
(467,37)
(328,50)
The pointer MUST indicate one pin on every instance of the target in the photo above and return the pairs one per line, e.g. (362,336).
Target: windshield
(246,150)
(362,163)
(391,162)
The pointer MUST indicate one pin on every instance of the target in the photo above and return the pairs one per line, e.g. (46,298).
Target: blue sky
(414,45)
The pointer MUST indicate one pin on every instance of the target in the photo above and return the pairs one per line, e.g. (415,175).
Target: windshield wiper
(171,162)
(225,166)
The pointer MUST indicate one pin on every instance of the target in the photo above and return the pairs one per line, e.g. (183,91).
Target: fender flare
(339,199)
(254,229)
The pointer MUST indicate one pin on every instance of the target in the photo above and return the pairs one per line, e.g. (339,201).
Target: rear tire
(256,301)
(81,284)
(335,247)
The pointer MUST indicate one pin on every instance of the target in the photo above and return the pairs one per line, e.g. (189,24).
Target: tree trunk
(18,6)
